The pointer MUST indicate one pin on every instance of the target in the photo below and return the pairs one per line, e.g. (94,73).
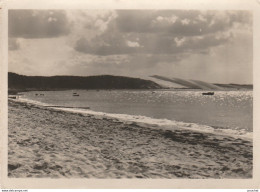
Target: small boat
(12,97)
(208,93)
(75,94)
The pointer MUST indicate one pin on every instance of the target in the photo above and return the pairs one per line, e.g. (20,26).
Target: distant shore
(49,143)
(21,83)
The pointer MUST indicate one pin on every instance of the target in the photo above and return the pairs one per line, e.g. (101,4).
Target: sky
(212,46)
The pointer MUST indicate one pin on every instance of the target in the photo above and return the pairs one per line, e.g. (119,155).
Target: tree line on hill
(27,83)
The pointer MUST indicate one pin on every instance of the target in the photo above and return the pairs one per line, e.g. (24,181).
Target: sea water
(228,111)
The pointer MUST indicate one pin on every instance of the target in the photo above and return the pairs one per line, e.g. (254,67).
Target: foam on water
(165,124)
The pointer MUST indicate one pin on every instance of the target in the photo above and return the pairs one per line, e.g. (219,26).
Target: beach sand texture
(49,143)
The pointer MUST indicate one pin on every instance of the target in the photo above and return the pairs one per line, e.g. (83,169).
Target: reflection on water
(225,109)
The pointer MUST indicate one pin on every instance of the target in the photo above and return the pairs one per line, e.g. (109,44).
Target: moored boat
(208,93)
(75,94)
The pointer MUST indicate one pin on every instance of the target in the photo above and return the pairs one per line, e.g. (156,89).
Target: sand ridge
(44,142)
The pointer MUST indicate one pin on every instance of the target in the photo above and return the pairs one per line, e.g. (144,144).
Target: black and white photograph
(130,93)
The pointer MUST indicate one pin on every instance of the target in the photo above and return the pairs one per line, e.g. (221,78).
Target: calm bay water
(226,109)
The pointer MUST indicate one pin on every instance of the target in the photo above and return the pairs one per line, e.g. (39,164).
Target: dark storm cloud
(13,44)
(203,42)
(101,48)
(150,44)
(179,22)
(37,23)
(164,32)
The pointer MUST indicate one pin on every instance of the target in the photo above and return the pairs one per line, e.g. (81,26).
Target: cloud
(214,46)
(198,43)
(100,47)
(201,17)
(13,44)
(167,20)
(185,21)
(37,24)
(52,19)
(132,44)
(179,41)
(149,44)
(179,22)
(102,21)
(163,32)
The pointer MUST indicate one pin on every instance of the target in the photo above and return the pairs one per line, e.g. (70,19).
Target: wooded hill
(22,82)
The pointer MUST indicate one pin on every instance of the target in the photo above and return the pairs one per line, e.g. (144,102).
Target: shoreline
(154,123)
(46,142)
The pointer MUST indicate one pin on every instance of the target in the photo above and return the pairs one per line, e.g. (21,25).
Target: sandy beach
(51,143)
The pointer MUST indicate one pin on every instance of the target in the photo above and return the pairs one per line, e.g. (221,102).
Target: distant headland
(18,82)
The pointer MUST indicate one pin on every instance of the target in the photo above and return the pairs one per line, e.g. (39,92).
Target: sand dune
(44,142)
(193,84)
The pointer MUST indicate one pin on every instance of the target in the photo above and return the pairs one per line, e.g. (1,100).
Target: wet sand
(51,143)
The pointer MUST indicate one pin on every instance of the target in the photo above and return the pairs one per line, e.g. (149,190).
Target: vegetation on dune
(17,82)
